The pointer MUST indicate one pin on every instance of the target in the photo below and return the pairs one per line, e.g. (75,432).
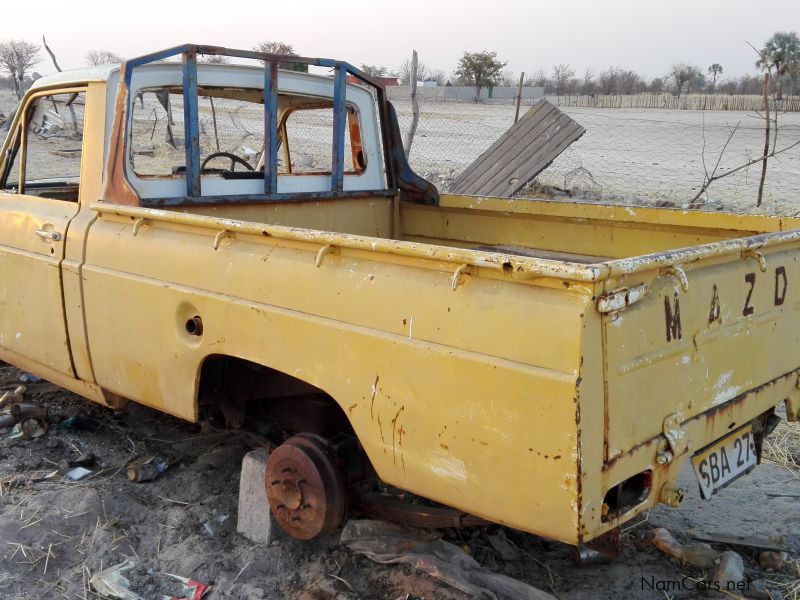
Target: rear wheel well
(245,392)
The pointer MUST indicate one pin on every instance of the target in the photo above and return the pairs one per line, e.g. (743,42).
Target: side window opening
(46,157)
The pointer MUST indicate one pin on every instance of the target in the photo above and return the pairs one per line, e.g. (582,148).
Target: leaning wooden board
(520,154)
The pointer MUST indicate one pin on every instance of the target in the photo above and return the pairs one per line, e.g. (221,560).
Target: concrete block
(256,522)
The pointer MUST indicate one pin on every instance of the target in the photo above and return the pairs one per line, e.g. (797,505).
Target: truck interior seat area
(67,191)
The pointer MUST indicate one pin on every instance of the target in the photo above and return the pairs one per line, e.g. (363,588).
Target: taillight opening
(627,494)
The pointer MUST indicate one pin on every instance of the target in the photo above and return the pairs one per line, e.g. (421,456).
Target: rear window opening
(627,495)
(231,134)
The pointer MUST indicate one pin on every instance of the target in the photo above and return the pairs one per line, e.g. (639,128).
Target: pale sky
(642,35)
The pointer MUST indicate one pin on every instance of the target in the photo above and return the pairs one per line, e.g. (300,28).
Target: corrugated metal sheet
(520,154)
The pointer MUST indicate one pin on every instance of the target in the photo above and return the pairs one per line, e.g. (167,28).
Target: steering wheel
(233,158)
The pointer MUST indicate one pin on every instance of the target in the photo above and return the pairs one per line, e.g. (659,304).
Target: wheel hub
(304,488)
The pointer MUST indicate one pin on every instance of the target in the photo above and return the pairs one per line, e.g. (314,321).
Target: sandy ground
(628,156)
(57,534)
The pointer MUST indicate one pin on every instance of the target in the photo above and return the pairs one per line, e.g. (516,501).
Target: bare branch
(703,151)
(745,165)
(759,52)
(52,56)
(766,140)
(724,147)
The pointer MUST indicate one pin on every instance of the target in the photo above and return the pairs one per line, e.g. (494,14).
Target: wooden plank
(538,151)
(745,541)
(520,154)
(530,120)
(536,143)
(506,156)
(510,148)
(565,135)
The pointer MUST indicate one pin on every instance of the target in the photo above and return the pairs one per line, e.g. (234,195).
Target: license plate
(724,461)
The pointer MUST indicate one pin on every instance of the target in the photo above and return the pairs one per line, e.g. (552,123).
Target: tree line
(779,56)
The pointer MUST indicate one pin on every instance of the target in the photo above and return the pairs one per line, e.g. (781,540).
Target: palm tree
(781,52)
(715,70)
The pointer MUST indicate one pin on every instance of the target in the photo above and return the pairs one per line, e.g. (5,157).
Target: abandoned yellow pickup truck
(250,242)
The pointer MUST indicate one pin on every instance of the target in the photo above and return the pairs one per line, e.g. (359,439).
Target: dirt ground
(56,534)
(627,156)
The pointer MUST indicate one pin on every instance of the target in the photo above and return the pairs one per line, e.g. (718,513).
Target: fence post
(519,95)
(766,141)
(414,105)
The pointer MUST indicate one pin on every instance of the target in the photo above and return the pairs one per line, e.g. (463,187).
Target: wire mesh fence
(631,156)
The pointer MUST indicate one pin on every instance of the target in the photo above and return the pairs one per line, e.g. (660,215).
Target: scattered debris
(29,378)
(67,153)
(28,411)
(730,571)
(193,590)
(24,480)
(698,555)
(745,541)
(28,429)
(772,561)
(77,473)
(211,526)
(112,582)
(79,423)
(84,460)
(147,470)
(10,398)
(27,420)
(502,546)
(389,544)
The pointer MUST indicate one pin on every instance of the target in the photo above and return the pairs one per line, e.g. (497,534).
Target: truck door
(39,182)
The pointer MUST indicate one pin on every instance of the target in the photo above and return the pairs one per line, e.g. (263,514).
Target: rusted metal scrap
(379,506)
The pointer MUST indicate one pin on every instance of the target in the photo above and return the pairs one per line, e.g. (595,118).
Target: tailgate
(703,334)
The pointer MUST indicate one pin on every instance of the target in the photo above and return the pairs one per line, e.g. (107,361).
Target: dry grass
(789,588)
(782,447)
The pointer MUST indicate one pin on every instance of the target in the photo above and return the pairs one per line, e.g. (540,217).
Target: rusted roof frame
(399,175)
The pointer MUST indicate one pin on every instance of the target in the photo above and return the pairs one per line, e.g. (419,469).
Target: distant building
(384,81)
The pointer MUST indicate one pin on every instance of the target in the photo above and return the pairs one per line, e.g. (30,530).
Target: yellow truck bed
(515,388)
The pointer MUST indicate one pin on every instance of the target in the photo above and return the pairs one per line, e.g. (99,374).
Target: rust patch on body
(394,432)
(372,400)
